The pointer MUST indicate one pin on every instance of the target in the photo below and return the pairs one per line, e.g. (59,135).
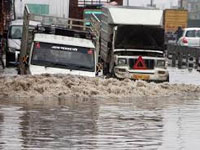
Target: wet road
(125,124)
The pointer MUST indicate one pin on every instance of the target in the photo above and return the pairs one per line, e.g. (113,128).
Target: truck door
(113,36)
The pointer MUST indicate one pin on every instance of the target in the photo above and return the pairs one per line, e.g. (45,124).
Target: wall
(58,8)
(76,11)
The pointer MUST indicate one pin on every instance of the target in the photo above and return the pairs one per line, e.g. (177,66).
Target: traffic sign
(140,64)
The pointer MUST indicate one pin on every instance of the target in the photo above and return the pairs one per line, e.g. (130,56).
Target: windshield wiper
(77,67)
(70,66)
(55,64)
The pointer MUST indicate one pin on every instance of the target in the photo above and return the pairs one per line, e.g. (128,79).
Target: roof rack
(56,30)
(52,25)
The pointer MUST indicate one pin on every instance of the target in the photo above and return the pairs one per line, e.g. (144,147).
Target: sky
(159,3)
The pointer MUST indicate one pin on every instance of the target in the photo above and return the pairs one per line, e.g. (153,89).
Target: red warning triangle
(140,64)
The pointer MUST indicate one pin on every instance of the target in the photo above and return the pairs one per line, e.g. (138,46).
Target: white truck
(57,8)
(132,43)
(57,45)
(13,41)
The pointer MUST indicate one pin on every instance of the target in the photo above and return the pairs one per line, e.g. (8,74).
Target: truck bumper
(157,74)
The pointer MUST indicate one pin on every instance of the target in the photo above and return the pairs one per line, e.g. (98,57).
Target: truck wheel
(7,59)
(10,57)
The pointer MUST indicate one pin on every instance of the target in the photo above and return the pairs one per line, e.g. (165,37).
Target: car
(190,37)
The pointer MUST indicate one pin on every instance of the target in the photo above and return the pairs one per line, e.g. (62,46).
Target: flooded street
(125,124)
(99,115)
(99,75)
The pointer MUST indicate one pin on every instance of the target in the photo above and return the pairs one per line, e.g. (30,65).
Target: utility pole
(127,2)
(151,3)
(181,3)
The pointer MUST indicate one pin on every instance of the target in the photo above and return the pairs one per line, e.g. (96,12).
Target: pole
(13,8)
(127,2)
(151,3)
(181,3)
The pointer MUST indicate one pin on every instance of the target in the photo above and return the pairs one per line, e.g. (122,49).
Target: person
(178,33)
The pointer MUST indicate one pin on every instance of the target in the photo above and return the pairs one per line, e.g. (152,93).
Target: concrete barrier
(183,56)
(191,63)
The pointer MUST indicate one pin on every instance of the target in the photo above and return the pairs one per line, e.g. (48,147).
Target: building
(5,12)
(77,6)
(193,7)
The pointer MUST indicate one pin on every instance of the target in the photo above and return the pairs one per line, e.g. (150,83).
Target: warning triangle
(140,64)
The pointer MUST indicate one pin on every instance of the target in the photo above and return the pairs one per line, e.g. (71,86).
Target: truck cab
(57,46)
(14,41)
(55,54)
(139,53)
(14,38)
(132,43)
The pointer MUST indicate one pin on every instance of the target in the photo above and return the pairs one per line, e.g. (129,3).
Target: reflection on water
(138,124)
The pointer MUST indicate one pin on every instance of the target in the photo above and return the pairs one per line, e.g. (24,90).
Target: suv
(190,37)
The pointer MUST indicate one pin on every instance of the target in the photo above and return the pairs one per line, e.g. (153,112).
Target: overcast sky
(159,3)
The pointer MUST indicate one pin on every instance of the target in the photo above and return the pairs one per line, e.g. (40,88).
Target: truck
(43,7)
(174,18)
(57,46)
(132,43)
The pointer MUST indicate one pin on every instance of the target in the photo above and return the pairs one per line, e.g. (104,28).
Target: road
(184,76)
(178,76)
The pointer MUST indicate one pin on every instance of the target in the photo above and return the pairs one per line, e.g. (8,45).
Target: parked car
(190,37)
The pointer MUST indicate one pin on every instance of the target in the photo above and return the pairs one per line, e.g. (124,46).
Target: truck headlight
(160,63)
(12,50)
(122,61)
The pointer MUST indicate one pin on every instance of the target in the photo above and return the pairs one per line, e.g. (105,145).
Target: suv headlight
(122,61)
(161,63)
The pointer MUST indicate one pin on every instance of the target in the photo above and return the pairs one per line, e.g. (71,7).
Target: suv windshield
(15,32)
(63,56)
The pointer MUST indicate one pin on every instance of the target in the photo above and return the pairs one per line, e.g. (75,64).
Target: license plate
(141,77)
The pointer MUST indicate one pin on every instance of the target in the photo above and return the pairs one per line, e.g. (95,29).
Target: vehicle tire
(9,57)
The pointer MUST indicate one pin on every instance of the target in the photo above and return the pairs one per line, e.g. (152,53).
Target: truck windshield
(63,56)
(15,32)
(139,37)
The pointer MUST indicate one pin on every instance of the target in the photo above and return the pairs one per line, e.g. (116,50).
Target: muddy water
(161,123)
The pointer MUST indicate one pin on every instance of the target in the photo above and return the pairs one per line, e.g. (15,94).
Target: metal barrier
(183,57)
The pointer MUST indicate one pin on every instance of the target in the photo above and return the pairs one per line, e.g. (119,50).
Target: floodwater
(100,125)
(145,123)
(176,75)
